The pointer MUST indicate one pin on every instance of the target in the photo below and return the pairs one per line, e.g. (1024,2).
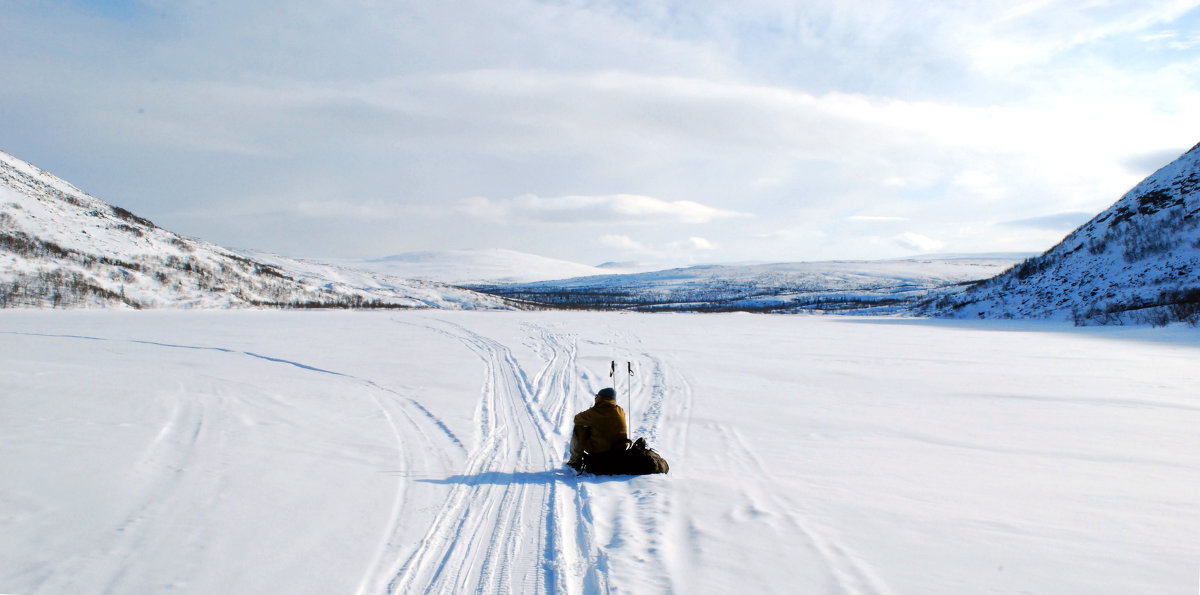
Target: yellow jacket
(602,426)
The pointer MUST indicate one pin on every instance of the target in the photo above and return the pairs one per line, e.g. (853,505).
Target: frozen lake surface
(344,452)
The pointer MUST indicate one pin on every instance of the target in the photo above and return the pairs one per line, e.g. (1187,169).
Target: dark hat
(607,393)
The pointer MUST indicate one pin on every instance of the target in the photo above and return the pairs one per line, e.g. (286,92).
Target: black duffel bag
(637,459)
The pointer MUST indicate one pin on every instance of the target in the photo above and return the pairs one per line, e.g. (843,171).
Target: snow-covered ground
(421,451)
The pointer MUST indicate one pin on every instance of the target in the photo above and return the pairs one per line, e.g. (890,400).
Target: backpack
(637,459)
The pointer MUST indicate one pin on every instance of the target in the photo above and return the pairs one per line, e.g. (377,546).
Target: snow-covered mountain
(1138,261)
(864,287)
(474,266)
(60,247)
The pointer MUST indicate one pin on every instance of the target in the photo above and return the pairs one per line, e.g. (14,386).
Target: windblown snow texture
(1138,261)
(422,452)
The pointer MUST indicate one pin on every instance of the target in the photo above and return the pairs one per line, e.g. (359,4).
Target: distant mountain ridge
(1138,261)
(472,266)
(859,287)
(60,247)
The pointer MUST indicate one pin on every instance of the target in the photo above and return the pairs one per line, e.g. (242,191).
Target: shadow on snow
(524,478)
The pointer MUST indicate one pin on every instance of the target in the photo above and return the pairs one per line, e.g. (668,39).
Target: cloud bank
(623,209)
(770,130)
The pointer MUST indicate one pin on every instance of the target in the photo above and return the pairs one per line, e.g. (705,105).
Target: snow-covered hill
(882,286)
(60,247)
(474,266)
(1138,261)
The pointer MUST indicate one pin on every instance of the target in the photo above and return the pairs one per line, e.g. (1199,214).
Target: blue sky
(595,130)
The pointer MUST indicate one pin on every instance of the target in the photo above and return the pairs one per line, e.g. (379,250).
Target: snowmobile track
(491,534)
(514,520)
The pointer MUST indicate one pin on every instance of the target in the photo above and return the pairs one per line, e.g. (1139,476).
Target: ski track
(670,399)
(645,524)
(491,534)
(515,520)
(163,471)
(169,453)
(668,396)
(512,520)
(849,572)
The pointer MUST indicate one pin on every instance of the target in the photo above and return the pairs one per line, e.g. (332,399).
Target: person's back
(598,429)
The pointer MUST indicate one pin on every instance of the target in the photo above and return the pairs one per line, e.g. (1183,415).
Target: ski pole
(629,390)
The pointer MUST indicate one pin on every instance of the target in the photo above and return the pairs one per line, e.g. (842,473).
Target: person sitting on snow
(598,430)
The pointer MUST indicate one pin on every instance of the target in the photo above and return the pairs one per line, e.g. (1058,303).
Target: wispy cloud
(682,251)
(628,209)
(875,218)
(626,245)
(1055,222)
(917,242)
(344,209)
(697,244)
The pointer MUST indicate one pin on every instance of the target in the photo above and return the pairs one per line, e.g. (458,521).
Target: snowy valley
(63,248)
(1137,262)
(220,440)
(307,298)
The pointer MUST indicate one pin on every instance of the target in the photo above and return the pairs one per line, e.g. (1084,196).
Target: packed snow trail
(183,435)
(515,520)
(489,535)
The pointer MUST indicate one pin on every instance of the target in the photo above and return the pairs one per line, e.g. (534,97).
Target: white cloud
(648,117)
(695,244)
(875,218)
(800,113)
(483,208)
(625,244)
(979,183)
(1056,222)
(1039,31)
(685,251)
(917,242)
(630,209)
(1158,36)
(343,209)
